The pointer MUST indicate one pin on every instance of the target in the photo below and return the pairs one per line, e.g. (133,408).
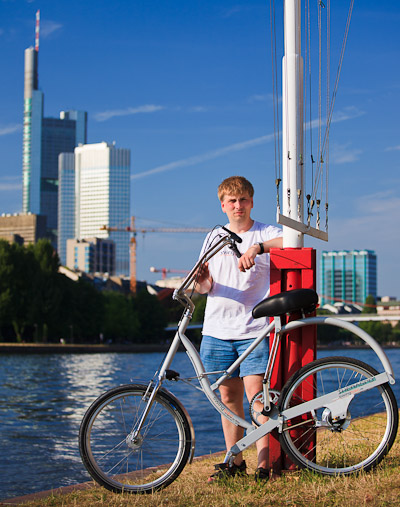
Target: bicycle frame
(337,401)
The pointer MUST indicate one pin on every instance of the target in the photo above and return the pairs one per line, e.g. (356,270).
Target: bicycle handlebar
(234,236)
(230,239)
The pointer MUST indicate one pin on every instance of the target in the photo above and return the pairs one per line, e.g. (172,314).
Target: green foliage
(153,318)
(198,314)
(40,304)
(370,305)
(382,332)
(121,322)
(17,283)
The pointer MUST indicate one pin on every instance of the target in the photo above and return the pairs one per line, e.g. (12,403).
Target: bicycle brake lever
(236,250)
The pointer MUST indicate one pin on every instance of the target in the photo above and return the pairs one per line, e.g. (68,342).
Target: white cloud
(393,148)
(236,9)
(10,129)
(7,187)
(344,153)
(48,27)
(260,98)
(348,113)
(10,183)
(197,109)
(148,108)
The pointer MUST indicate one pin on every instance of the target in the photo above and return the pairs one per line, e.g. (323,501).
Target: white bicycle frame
(337,401)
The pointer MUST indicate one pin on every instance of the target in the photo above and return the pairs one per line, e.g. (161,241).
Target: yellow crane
(134,230)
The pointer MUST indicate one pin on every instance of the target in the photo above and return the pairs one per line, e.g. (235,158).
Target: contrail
(197,159)
(344,115)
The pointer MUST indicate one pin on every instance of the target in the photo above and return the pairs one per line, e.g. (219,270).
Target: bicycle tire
(154,460)
(357,442)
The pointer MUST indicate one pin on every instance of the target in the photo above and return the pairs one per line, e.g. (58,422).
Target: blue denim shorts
(219,354)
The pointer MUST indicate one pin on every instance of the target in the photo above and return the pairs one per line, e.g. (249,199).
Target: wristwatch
(261,245)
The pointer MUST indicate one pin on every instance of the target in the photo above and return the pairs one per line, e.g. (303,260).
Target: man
(234,287)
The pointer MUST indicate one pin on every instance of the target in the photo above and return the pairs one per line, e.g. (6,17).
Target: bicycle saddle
(297,300)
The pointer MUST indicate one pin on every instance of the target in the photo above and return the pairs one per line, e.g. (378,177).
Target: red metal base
(291,268)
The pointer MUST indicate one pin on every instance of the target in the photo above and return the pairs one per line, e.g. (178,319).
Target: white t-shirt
(234,294)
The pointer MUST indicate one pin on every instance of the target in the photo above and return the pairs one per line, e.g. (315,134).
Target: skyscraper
(348,276)
(43,140)
(66,203)
(102,197)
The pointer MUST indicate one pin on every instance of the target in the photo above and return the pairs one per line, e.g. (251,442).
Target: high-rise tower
(43,140)
(94,191)
(102,192)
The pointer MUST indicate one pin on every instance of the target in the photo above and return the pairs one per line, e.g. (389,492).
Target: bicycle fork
(134,435)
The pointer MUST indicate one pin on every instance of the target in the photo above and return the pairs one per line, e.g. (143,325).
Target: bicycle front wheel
(357,442)
(153,459)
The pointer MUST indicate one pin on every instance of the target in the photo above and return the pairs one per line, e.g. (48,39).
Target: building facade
(92,255)
(22,228)
(66,203)
(43,140)
(100,176)
(348,275)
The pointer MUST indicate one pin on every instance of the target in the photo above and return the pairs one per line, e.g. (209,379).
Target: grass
(301,488)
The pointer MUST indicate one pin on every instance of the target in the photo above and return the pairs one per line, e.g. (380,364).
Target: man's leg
(253,385)
(232,391)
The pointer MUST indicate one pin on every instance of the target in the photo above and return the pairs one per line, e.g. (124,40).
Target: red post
(291,268)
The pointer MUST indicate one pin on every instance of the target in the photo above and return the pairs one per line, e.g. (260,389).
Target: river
(44,397)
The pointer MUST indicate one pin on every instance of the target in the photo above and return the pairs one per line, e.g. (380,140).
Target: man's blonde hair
(235,185)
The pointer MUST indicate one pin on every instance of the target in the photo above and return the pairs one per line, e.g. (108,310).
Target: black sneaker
(224,471)
(262,474)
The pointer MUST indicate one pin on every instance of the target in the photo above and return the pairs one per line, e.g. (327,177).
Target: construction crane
(164,271)
(134,230)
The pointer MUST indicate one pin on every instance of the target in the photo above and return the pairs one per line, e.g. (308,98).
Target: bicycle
(137,438)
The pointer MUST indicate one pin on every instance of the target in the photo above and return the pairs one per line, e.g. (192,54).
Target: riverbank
(300,488)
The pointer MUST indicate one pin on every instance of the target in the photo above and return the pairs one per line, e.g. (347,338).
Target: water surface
(44,397)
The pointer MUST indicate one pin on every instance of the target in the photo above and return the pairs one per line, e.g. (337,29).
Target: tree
(370,305)
(152,317)
(121,321)
(48,293)
(17,273)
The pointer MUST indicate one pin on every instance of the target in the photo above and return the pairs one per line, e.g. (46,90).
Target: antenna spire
(37,29)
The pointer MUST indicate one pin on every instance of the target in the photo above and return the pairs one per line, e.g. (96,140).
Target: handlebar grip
(232,235)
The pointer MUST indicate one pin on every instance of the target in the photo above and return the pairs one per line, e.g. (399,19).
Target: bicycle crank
(257,405)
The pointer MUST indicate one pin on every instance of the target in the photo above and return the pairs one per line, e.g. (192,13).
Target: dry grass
(378,488)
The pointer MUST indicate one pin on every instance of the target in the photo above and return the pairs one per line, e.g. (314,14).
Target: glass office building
(43,140)
(348,275)
(66,203)
(102,197)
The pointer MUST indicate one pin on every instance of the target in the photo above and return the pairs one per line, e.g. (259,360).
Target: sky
(187,86)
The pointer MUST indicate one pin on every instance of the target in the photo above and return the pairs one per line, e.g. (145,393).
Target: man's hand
(247,261)
(203,279)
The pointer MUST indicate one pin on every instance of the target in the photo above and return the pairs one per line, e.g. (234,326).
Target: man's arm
(203,280)
(246,261)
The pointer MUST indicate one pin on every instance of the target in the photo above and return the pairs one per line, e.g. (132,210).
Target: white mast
(292,124)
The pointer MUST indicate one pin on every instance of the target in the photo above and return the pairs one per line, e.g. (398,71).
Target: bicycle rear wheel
(154,459)
(357,442)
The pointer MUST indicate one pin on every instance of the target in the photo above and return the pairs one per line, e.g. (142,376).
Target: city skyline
(187,88)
